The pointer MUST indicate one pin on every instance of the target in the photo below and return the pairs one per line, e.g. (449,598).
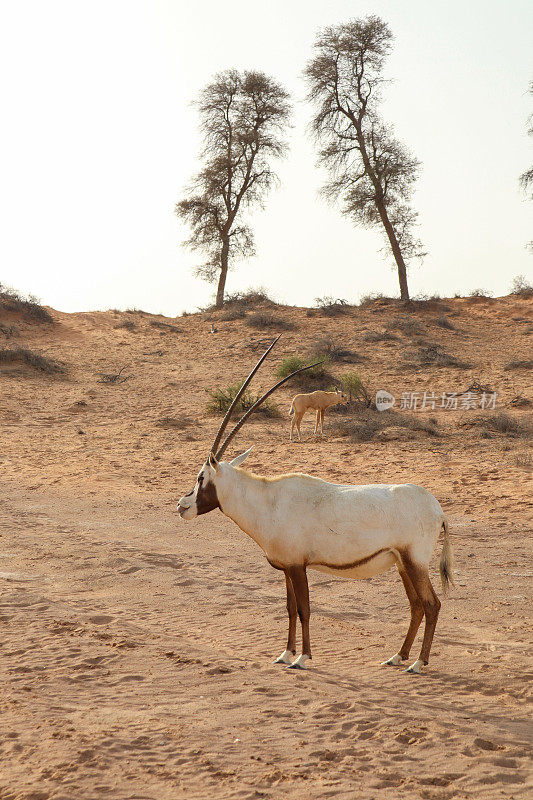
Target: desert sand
(136,649)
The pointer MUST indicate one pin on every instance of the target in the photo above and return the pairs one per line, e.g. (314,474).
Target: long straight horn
(261,400)
(238,396)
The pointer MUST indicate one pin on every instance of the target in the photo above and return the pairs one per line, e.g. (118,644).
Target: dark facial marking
(206,497)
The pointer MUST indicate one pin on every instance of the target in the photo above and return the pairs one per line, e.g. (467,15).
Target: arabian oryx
(313,401)
(302,523)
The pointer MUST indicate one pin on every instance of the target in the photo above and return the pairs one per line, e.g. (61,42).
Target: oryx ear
(212,461)
(239,459)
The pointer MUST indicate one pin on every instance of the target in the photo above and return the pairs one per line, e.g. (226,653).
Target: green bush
(221,399)
(354,386)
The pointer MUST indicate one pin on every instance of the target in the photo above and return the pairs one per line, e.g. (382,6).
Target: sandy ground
(136,649)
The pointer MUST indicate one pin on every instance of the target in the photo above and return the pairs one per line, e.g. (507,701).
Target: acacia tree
(372,173)
(243,118)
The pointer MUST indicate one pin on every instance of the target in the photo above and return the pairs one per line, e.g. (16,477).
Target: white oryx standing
(301,523)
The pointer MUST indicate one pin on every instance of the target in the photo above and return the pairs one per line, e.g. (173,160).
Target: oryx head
(204,497)
(342,396)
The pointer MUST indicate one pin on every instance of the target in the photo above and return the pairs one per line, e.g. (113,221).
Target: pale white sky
(99,139)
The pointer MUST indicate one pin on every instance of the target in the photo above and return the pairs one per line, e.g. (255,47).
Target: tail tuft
(291,410)
(446,560)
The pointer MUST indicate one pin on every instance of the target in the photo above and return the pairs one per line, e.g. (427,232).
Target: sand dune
(136,650)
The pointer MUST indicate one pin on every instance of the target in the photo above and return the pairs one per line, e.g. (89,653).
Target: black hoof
(295,666)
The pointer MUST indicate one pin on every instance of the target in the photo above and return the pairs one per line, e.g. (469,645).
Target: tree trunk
(396,251)
(223,272)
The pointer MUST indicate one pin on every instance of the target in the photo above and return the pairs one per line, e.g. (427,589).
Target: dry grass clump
(20,355)
(408,326)
(232,314)
(444,322)
(244,301)
(126,323)
(376,298)
(165,326)
(432,355)
(177,423)
(29,307)
(324,348)
(424,302)
(526,364)
(380,336)
(369,424)
(264,319)
(524,459)
(500,422)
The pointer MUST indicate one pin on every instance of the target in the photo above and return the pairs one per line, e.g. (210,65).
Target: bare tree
(243,118)
(372,173)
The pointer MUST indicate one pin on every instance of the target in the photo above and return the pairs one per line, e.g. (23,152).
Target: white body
(298,519)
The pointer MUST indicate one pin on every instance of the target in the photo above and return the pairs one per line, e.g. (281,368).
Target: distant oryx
(313,401)
(301,523)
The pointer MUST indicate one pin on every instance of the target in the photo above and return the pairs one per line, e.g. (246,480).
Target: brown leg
(292,427)
(298,578)
(419,578)
(298,420)
(292,610)
(317,420)
(287,657)
(322,422)
(417,612)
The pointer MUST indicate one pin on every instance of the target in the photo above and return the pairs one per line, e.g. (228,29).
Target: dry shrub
(524,459)
(499,422)
(165,326)
(127,323)
(331,307)
(521,287)
(380,336)
(232,314)
(331,351)
(424,302)
(367,424)
(528,364)
(444,322)
(376,298)
(480,296)
(29,307)
(408,326)
(178,423)
(245,301)
(20,355)
(432,355)
(264,319)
